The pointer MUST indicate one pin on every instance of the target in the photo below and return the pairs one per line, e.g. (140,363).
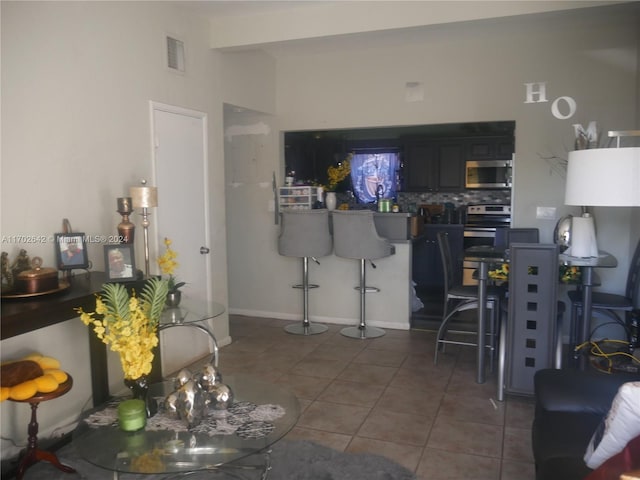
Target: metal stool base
(364,332)
(300,329)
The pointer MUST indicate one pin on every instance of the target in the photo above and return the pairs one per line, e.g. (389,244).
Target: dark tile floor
(386,396)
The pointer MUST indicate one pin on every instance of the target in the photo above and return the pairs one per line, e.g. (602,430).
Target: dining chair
(609,304)
(506,236)
(523,235)
(530,336)
(459,298)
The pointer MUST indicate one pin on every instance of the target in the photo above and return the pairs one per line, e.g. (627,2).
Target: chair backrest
(355,236)
(447,261)
(523,235)
(305,233)
(633,279)
(507,236)
(533,307)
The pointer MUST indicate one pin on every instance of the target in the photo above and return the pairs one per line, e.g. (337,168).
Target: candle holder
(126,229)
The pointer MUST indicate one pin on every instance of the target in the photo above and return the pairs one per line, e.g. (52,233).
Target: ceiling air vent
(175,54)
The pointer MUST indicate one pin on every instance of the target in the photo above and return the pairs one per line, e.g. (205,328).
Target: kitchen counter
(394,226)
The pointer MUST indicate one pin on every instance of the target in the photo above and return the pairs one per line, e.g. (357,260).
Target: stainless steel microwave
(488,173)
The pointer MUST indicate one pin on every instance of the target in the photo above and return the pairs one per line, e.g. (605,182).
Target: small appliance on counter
(488,174)
(445,213)
(431,212)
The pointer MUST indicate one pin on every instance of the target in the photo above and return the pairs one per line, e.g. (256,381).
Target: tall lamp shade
(603,177)
(144,197)
(599,177)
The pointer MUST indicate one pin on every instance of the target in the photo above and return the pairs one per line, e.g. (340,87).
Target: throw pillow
(620,426)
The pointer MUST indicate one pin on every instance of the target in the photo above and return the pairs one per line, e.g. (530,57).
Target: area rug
(290,460)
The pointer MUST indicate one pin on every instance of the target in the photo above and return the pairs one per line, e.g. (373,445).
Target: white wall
(249,80)
(77,78)
(470,73)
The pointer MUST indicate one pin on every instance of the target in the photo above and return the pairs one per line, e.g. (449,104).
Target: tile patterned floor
(386,396)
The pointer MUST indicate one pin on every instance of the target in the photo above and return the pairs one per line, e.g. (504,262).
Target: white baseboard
(317,319)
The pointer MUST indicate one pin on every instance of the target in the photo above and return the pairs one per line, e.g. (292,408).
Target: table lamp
(600,177)
(145,197)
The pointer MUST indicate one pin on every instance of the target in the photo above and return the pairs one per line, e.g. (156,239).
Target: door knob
(204,250)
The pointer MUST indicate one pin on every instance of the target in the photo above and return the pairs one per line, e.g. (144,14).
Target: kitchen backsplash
(457,198)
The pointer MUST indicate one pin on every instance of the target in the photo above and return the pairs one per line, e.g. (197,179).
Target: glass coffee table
(261,414)
(193,313)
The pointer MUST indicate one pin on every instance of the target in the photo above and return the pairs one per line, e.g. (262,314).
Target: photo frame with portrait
(119,262)
(71,251)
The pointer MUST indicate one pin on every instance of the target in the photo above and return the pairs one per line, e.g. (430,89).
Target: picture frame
(119,262)
(71,251)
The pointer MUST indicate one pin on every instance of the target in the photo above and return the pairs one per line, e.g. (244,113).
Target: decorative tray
(62,286)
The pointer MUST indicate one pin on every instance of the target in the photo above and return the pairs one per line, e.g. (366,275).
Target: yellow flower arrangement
(570,274)
(566,273)
(168,264)
(500,273)
(337,174)
(129,324)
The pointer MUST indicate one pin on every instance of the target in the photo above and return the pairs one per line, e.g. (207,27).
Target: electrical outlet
(546,213)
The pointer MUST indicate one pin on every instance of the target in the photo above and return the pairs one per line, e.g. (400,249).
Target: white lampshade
(599,177)
(603,177)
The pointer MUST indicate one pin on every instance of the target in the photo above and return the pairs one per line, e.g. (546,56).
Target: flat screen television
(373,173)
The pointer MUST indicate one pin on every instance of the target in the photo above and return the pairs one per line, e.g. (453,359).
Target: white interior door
(180,165)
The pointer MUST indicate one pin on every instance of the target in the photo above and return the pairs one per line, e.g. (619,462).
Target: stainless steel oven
(482,225)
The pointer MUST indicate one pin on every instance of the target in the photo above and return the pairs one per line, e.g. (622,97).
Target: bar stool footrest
(367,289)
(301,286)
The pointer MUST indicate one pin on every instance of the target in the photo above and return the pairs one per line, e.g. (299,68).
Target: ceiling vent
(175,54)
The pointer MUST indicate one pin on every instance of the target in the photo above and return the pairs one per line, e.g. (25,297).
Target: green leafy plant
(129,324)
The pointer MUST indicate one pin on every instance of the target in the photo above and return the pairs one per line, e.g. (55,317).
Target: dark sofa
(570,405)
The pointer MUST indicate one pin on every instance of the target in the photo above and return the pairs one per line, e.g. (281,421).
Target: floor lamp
(144,198)
(600,177)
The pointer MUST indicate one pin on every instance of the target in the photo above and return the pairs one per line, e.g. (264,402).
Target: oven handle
(484,233)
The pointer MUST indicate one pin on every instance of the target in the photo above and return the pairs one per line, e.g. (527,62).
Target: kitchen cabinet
(434,166)
(420,167)
(490,148)
(451,163)
(427,267)
(310,156)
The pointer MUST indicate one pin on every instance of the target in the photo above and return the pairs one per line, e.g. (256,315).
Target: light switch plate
(546,213)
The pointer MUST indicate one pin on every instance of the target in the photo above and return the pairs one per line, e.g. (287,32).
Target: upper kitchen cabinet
(451,162)
(420,167)
(433,156)
(436,165)
(310,154)
(490,148)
